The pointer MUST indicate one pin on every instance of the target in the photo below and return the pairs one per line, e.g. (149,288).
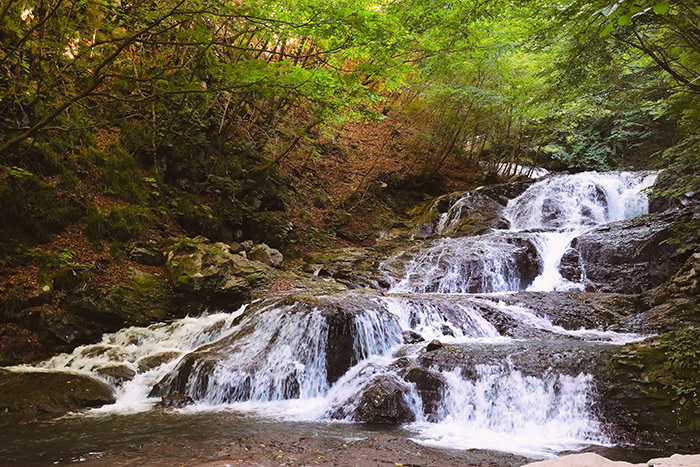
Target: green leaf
(661,8)
(634,9)
(625,19)
(608,29)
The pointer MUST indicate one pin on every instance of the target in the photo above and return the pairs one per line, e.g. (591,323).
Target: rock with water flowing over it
(465,214)
(51,392)
(198,267)
(480,264)
(431,387)
(284,348)
(627,256)
(576,310)
(384,402)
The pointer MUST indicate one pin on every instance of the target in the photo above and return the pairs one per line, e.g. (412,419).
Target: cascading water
(314,357)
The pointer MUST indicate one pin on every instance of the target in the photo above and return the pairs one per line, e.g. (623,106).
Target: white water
(270,358)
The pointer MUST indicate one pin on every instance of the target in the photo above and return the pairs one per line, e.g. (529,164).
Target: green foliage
(30,211)
(122,224)
(683,351)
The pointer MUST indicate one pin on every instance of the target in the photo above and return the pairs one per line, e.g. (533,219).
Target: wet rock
(433,345)
(628,256)
(51,392)
(174,401)
(532,357)
(465,214)
(199,267)
(431,387)
(383,402)
(266,255)
(412,337)
(141,299)
(117,373)
(576,310)
(479,264)
(650,388)
(154,361)
(318,331)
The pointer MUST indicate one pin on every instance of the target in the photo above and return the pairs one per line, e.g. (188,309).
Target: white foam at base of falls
(533,416)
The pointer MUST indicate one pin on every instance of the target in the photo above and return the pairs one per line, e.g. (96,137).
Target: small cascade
(504,375)
(532,415)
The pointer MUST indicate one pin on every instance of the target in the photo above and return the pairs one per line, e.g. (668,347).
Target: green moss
(122,224)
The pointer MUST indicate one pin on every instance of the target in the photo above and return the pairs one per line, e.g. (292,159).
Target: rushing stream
(512,380)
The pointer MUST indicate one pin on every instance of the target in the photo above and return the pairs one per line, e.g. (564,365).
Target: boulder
(433,345)
(676,303)
(141,299)
(384,402)
(118,373)
(201,268)
(147,255)
(51,392)
(266,255)
(17,344)
(628,256)
(411,337)
(154,361)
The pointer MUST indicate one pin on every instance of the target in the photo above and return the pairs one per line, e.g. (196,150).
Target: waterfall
(313,357)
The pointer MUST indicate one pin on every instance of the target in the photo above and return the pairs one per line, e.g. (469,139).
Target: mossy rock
(655,384)
(51,392)
(197,266)
(142,299)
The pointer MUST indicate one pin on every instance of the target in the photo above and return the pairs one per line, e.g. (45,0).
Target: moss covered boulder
(199,267)
(653,387)
(51,392)
(141,298)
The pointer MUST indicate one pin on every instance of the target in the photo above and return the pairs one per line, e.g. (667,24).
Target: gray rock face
(51,392)
(625,257)
(266,255)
